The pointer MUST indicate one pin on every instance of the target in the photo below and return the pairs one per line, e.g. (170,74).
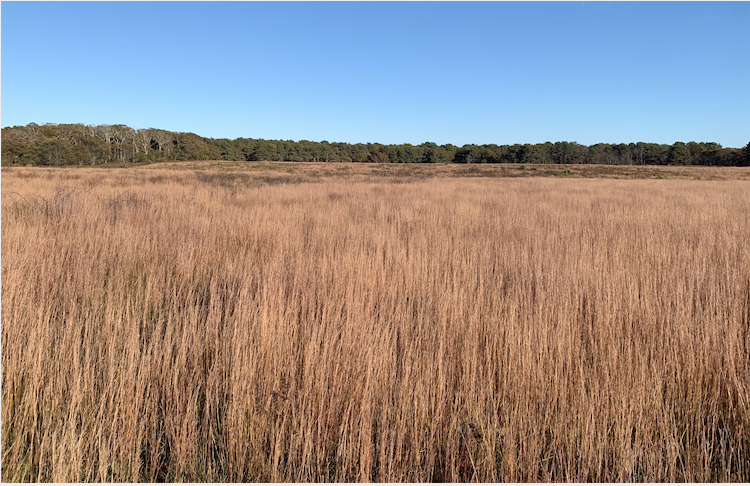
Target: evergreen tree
(679,154)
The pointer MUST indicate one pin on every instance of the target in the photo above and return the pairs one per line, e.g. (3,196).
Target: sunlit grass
(166,325)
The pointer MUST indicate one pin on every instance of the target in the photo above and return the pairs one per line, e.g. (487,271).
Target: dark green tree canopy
(77,144)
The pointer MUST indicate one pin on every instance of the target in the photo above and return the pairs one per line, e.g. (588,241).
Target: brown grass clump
(165,326)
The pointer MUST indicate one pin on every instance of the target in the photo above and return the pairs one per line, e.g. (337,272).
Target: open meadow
(282,322)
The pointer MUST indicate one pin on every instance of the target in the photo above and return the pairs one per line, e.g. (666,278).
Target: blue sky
(389,72)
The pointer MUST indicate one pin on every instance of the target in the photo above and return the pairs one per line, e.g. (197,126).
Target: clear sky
(388,72)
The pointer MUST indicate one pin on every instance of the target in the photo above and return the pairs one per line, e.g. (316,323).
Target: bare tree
(162,141)
(143,140)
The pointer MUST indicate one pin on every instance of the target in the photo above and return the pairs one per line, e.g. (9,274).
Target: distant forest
(77,144)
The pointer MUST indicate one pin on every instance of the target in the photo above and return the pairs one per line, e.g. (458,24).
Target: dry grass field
(236,325)
(310,171)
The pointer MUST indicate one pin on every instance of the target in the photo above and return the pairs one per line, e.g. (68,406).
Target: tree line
(78,144)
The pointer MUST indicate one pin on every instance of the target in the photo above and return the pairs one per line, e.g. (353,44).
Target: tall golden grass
(168,326)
